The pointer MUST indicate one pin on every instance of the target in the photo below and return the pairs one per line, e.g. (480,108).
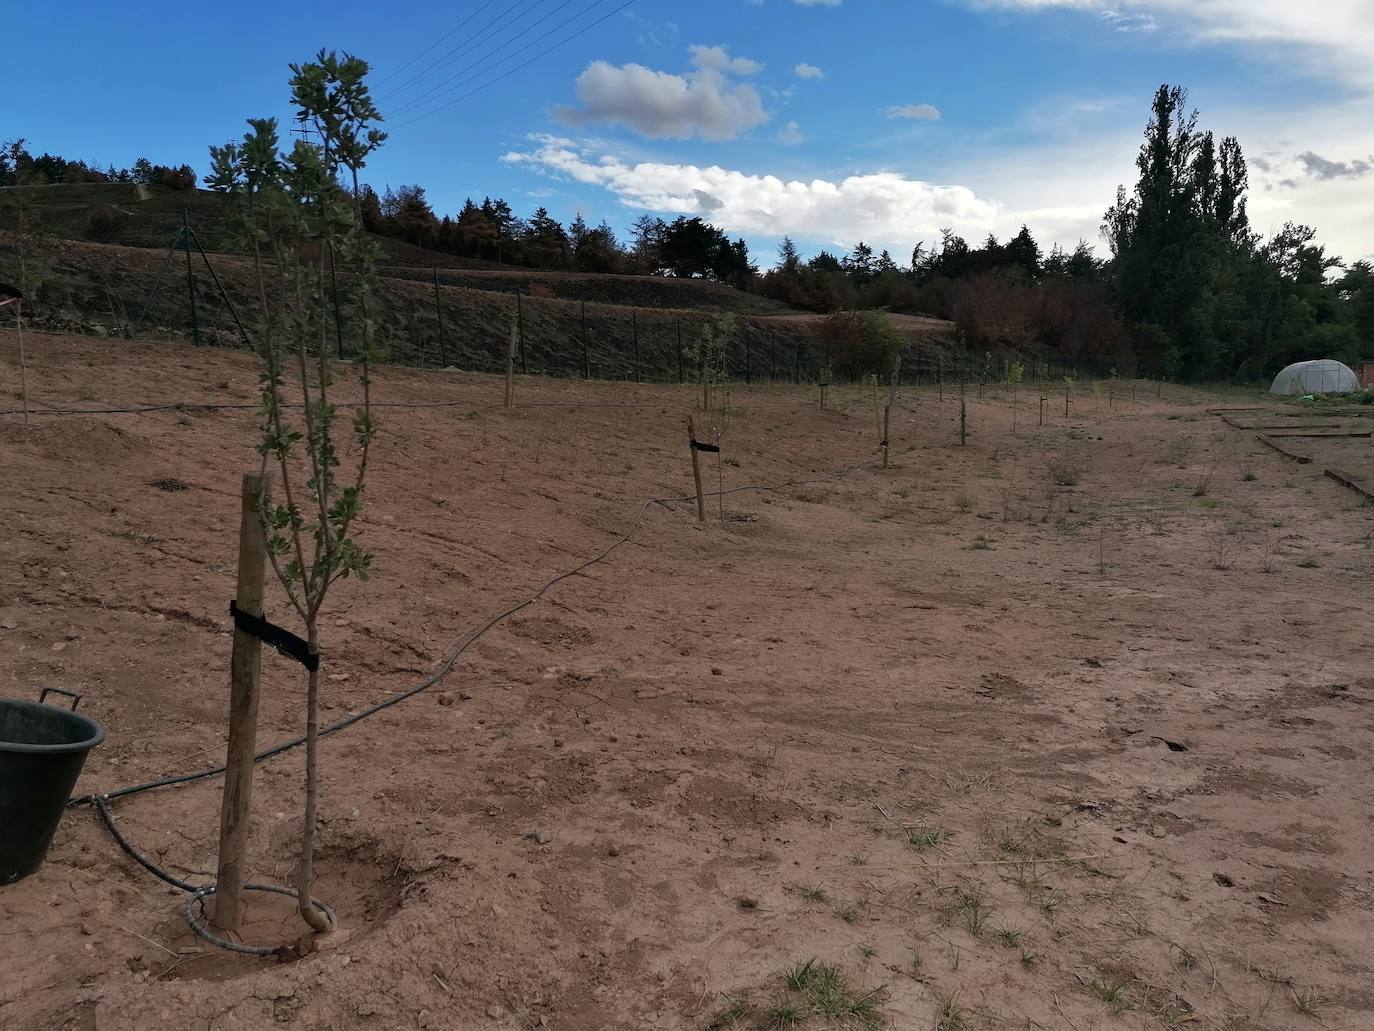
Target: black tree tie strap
(699,446)
(284,641)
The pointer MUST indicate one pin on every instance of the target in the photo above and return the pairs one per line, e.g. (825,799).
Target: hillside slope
(129,215)
(104,289)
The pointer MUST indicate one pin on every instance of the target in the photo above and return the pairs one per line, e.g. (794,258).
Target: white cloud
(791,134)
(718,59)
(808,71)
(1126,21)
(661,105)
(925,111)
(885,208)
(1334,37)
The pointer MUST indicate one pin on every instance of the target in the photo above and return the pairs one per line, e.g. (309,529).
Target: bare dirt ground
(1069,728)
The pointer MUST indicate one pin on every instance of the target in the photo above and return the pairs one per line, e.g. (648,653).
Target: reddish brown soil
(618,808)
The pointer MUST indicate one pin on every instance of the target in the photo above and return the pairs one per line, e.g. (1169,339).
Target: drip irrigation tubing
(194,910)
(194,406)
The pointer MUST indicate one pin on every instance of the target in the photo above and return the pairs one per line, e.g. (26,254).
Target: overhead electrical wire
(478,36)
(446,35)
(475,68)
(525,64)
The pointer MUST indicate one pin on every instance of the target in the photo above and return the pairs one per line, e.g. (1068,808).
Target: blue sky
(831,120)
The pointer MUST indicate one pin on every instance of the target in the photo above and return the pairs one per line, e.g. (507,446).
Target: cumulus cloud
(885,208)
(718,59)
(705,102)
(808,71)
(791,134)
(925,111)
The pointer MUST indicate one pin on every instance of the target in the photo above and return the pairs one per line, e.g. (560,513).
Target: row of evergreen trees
(492,231)
(20,167)
(1188,289)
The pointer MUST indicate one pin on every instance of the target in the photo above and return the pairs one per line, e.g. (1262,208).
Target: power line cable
(427,49)
(507,74)
(478,36)
(476,68)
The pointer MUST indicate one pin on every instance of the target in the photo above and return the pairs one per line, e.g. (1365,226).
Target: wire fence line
(437,317)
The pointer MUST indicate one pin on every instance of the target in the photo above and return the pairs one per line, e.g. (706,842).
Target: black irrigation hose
(446,665)
(442,671)
(194,910)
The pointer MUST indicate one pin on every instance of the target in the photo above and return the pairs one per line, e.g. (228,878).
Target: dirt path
(1008,752)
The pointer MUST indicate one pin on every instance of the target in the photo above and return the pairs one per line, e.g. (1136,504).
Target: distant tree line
(491,231)
(1203,293)
(25,169)
(1189,288)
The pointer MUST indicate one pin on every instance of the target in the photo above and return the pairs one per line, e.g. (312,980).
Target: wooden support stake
(586,359)
(510,364)
(696,470)
(23,361)
(1043,399)
(887,421)
(1066,400)
(245,672)
(963,417)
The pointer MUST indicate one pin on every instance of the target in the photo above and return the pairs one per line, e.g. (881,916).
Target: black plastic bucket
(42,750)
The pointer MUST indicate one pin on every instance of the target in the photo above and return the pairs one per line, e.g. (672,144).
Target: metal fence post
(439,312)
(190,276)
(634,328)
(586,361)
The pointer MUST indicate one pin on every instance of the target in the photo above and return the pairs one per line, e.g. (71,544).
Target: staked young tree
(293,209)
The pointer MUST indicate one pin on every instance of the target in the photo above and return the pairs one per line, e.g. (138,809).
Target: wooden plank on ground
(1265,438)
(1322,433)
(1353,482)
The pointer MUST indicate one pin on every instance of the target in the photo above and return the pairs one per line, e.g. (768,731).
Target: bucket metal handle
(76,698)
